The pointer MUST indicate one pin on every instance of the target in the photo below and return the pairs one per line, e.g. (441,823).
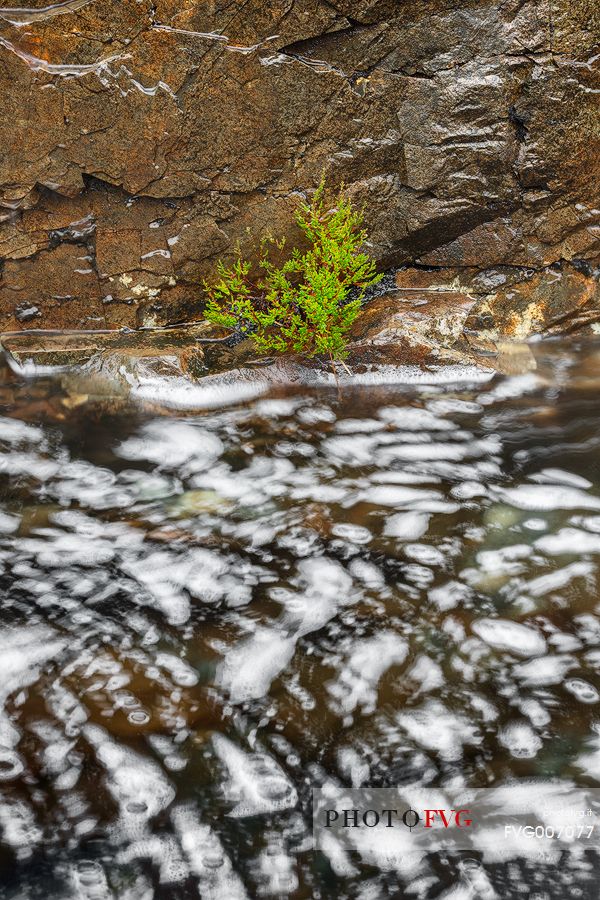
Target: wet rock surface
(418,321)
(141,140)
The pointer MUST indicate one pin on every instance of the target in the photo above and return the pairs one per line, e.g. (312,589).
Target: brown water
(205,617)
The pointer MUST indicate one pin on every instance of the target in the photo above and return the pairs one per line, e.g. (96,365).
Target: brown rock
(557,301)
(150,136)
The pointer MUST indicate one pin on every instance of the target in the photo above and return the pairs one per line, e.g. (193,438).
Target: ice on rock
(407,526)
(256,782)
(502,634)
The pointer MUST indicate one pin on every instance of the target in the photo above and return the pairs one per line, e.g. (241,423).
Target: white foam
(256,781)
(206,857)
(520,740)
(138,785)
(582,690)
(168,443)
(502,634)
(553,581)
(250,668)
(539,496)
(180,393)
(408,418)
(435,728)
(16,432)
(408,526)
(394,495)
(559,476)
(569,541)
(545,670)
(23,651)
(360,673)
(425,554)
(450,595)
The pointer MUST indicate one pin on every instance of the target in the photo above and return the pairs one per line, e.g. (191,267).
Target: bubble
(137,807)
(138,717)
(10,765)
(89,872)
(582,690)
(275,788)
(213,860)
(125,700)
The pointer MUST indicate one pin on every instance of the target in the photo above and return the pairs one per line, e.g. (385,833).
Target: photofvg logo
(395,818)
(397,828)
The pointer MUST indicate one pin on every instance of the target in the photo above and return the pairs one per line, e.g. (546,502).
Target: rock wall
(141,139)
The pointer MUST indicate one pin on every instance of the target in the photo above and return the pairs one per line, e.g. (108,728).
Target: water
(204,617)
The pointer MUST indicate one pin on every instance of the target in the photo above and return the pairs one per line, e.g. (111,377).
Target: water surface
(203,617)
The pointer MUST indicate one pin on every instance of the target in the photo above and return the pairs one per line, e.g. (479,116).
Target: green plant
(305,305)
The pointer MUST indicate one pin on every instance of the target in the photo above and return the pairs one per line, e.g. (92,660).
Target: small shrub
(302,306)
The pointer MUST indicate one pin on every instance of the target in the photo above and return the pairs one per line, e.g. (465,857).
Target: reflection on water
(203,618)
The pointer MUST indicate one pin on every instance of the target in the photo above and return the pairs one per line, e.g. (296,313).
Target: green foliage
(302,306)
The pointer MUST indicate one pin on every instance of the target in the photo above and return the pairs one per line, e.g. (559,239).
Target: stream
(205,616)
